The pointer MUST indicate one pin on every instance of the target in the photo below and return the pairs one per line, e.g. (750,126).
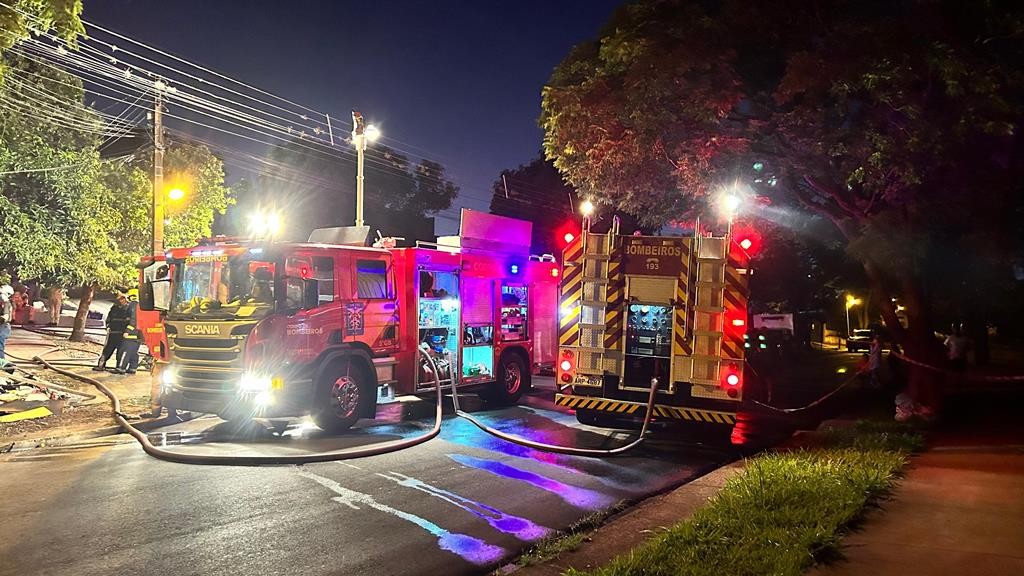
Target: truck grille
(206,365)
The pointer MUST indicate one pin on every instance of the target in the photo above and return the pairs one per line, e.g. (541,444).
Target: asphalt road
(459,504)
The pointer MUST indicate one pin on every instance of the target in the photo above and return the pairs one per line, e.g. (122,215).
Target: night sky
(454,81)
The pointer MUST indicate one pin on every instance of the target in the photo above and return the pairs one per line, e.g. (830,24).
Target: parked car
(860,340)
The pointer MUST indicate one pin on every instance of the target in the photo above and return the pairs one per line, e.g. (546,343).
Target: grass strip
(553,546)
(784,511)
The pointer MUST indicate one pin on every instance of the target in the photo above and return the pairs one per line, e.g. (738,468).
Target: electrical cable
(99,70)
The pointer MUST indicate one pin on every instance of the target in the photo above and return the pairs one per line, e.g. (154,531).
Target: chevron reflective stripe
(735,299)
(599,404)
(682,341)
(615,310)
(636,408)
(570,294)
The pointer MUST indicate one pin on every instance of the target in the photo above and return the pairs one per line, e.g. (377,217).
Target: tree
(886,118)
(20,18)
(536,192)
(70,218)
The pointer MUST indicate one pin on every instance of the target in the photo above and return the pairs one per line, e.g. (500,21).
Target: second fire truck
(639,309)
(332,328)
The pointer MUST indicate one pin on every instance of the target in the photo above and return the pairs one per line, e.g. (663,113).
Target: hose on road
(384,448)
(251,460)
(569,450)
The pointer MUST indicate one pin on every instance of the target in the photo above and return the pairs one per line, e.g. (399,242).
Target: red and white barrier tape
(980,377)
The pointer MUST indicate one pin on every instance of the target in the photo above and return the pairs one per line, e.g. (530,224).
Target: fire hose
(554,447)
(388,447)
(253,460)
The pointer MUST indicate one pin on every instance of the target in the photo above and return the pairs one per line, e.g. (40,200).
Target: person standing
(132,335)
(956,349)
(875,362)
(56,302)
(117,321)
(6,315)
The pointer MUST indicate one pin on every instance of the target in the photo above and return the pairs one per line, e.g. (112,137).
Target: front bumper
(293,400)
(638,409)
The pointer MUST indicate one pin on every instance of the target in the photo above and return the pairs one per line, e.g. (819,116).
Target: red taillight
(746,243)
(739,322)
(566,377)
(569,237)
(566,365)
(732,380)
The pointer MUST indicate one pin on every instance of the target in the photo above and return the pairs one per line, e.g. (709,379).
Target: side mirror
(146,297)
(310,294)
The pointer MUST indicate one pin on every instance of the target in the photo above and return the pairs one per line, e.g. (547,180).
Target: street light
(850,303)
(361,133)
(587,208)
(175,194)
(264,224)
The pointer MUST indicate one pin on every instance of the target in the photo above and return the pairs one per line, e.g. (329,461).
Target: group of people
(123,335)
(921,397)
(22,297)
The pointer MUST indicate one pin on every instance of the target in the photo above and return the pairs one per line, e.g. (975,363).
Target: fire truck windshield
(220,286)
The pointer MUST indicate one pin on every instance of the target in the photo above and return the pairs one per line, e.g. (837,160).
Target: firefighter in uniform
(117,320)
(132,336)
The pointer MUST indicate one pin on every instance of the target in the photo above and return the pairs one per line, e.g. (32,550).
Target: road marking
(578,497)
(521,528)
(468,547)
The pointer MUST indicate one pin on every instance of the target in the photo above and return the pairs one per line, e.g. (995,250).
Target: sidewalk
(81,420)
(957,512)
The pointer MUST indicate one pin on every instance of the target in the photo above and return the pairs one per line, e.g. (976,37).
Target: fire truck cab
(332,328)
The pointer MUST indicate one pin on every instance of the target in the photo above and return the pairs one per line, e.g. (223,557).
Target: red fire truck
(635,309)
(332,328)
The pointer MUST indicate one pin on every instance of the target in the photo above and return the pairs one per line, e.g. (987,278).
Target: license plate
(583,380)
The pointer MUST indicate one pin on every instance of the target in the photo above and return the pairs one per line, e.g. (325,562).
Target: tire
(343,394)
(514,379)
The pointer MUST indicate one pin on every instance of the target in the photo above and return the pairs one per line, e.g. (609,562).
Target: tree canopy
(896,121)
(66,215)
(20,18)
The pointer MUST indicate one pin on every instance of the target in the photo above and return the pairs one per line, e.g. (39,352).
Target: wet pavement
(459,504)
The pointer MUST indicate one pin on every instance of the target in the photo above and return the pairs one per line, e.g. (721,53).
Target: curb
(22,445)
(632,527)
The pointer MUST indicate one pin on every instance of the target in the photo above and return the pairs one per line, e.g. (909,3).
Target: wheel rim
(344,396)
(513,377)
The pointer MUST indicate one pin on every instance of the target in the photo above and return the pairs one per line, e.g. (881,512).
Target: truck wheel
(343,395)
(513,380)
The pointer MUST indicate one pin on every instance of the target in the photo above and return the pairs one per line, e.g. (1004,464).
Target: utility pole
(359,141)
(158,171)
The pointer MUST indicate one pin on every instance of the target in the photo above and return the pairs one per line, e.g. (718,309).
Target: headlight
(255,382)
(169,376)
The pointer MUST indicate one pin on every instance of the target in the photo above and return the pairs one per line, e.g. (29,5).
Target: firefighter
(132,336)
(117,320)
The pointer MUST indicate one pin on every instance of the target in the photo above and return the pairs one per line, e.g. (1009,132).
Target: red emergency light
(569,237)
(731,380)
(566,366)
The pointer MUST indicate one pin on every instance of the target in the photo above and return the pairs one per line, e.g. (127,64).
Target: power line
(64,167)
(106,70)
